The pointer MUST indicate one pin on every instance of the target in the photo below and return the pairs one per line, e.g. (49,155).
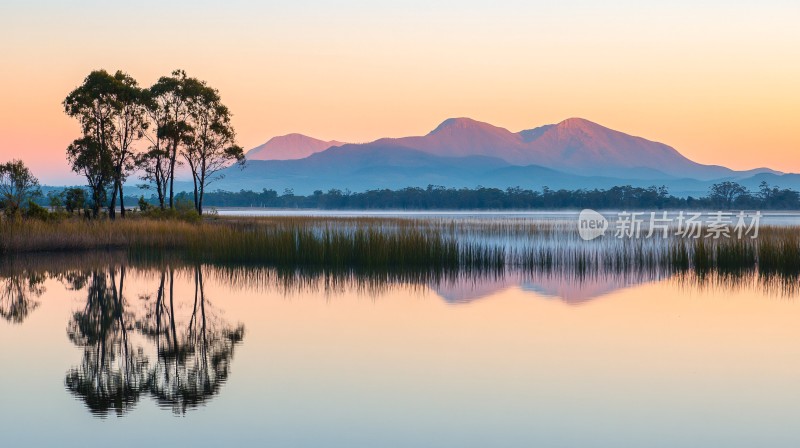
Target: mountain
(289,147)
(461,152)
(580,146)
(575,145)
(358,168)
(368,167)
(460,137)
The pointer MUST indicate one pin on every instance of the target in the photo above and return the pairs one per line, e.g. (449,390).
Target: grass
(377,243)
(241,241)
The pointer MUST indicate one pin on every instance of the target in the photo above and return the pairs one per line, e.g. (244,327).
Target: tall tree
(155,161)
(94,104)
(17,185)
(130,122)
(212,145)
(168,99)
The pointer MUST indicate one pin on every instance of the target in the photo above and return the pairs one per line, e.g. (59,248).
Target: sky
(717,80)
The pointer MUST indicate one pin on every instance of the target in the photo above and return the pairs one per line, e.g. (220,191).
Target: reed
(242,241)
(381,244)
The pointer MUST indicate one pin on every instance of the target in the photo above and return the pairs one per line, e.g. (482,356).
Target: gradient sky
(718,80)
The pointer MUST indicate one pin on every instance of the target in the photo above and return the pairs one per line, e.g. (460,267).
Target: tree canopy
(17,186)
(178,118)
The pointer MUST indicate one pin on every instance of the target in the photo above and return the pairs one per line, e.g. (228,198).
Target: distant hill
(289,147)
(461,152)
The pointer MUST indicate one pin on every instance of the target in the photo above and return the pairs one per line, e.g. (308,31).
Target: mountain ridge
(575,145)
(462,152)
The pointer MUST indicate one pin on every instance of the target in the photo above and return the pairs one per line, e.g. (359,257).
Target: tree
(130,122)
(87,158)
(211,146)
(110,111)
(74,199)
(17,186)
(56,200)
(155,168)
(168,106)
(155,162)
(94,105)
(724,194)
(765,192)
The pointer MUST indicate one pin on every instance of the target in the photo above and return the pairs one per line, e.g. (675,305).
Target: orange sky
(719,82)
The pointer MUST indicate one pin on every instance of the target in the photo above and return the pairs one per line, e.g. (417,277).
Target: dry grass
(344,243)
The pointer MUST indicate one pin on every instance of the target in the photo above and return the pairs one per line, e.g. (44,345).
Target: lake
(106,348)
(769,217)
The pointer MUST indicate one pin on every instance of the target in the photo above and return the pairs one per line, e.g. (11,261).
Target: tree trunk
(112,205)
(196,194)
(96,202)
(161,187)
(172,160)
(121,201)
(200,200)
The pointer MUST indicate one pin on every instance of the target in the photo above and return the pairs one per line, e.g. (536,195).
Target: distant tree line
(723,195)
(127,130)
(21,195)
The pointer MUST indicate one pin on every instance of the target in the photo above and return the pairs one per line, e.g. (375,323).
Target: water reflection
(190,356)
(193,357)
(571,286)
(160,337)
(112,374)
(18,295)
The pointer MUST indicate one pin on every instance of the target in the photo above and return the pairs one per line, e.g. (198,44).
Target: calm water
(782,218)
(105,351)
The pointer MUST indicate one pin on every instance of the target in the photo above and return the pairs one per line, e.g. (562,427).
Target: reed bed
(377,243)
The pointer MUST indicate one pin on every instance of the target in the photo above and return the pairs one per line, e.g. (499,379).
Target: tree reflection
(17,294)
(174,346)
(112,374)
(192,352)
(193,357)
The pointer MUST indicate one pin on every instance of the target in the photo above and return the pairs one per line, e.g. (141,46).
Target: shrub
(143,204)
(36,211)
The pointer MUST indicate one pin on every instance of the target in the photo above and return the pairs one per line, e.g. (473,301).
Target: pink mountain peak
(289,147)
(577,122)
(588,129)
(466,124)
